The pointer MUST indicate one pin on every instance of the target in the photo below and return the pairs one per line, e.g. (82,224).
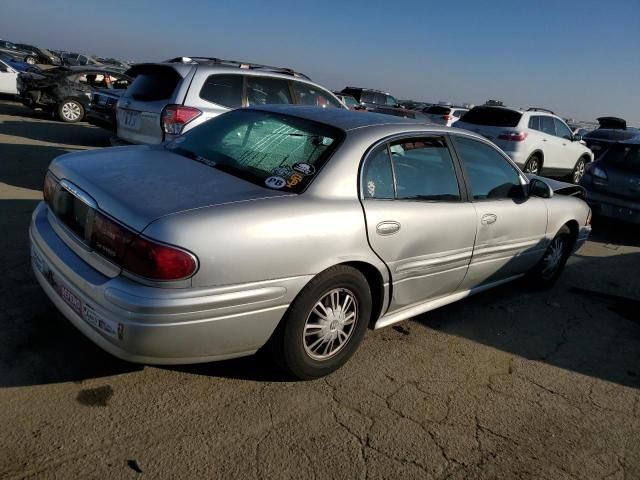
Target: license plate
(82,309)
(131,119)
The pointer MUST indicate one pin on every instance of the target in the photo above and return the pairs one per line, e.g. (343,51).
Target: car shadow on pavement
(587,323)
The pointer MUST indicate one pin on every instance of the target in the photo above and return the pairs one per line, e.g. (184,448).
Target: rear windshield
(624,157)
(438,110)
(611,135)
(493,117)
(268,149)
(155,83)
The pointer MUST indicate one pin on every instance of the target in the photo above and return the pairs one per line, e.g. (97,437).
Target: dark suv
(612,181)
(380,102)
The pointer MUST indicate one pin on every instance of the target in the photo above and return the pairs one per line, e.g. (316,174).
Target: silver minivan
(167,99)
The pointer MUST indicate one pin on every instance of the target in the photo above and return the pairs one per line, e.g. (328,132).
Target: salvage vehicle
(169,98)
(18,65)
(43,56)
(27,56)
(348,101)
(8,79)
(101,111)
(66,91)
(536,139)
(290,228)
(612,181)
(380,102)
(610,130)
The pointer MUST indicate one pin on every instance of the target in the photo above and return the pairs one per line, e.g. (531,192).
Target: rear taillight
(448,118)
(513,136)
(49,189)
(138,255)
(175,117)
(157,261)
(110,239)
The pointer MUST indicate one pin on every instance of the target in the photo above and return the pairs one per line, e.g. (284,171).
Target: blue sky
(580,59)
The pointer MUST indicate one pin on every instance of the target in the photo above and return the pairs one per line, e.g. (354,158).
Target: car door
(8,79)
(419,221)
(511,227)
(551,144)
(567,156)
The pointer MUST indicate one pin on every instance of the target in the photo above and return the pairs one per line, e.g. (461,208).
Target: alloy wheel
(330,324)
(71,111)
(553,257)
(532,166)
(578,172)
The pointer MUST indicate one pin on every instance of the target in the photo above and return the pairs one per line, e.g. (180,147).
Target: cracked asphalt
(512,383)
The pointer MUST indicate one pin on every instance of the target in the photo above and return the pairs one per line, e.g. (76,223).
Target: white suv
(536,139)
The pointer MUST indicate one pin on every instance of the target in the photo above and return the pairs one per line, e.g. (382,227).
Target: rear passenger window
(547,126)
(424,170)
(380,99)
(534,123)
(490,175)
(311,95)
(367,97)
(225,90)
(267,91)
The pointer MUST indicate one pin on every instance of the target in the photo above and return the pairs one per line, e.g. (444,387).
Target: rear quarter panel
(563,209)
(269,239)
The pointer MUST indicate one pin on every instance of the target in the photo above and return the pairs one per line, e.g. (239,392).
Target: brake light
(448,117)
(513,136)
(138,255)
(110,238)
(175,117)
(49,188)
(157,261)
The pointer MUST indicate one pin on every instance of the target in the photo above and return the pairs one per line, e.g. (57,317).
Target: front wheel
(325,324)
(578,171)
(70,111)
(548,270)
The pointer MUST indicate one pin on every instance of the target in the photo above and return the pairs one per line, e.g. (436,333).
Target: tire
(305,345)
(578,171)
(30,60)
(545,274)
(533,165)
(70,111)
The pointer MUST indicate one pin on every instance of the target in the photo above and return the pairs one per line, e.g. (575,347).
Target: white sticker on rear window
(275,182)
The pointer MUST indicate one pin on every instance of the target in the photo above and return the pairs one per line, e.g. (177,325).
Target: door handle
(388,227)
(489,218)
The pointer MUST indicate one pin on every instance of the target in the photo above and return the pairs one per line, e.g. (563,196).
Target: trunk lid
(140,108)
(137,185)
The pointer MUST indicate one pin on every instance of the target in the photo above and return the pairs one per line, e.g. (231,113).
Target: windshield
(268,149)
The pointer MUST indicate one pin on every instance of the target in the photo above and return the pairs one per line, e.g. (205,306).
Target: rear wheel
(578,171)
(533,165)
(70,111)
(324,325)
(548,270)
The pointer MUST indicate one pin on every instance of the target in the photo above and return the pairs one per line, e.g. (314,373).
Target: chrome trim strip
(79,193)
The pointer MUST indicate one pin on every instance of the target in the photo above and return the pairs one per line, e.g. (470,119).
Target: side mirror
(539,188)
(577,138)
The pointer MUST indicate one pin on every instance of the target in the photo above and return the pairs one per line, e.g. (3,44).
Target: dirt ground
(511,383)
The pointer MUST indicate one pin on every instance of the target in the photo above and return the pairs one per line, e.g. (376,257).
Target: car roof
(342,118)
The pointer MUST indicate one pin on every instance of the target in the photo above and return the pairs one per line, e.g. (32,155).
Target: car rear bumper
(156,325)
(612,207)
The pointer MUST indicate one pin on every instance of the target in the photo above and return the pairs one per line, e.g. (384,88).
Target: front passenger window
(491,176)
(562,130)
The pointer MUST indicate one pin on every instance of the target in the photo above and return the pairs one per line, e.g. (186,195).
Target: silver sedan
(289,228)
